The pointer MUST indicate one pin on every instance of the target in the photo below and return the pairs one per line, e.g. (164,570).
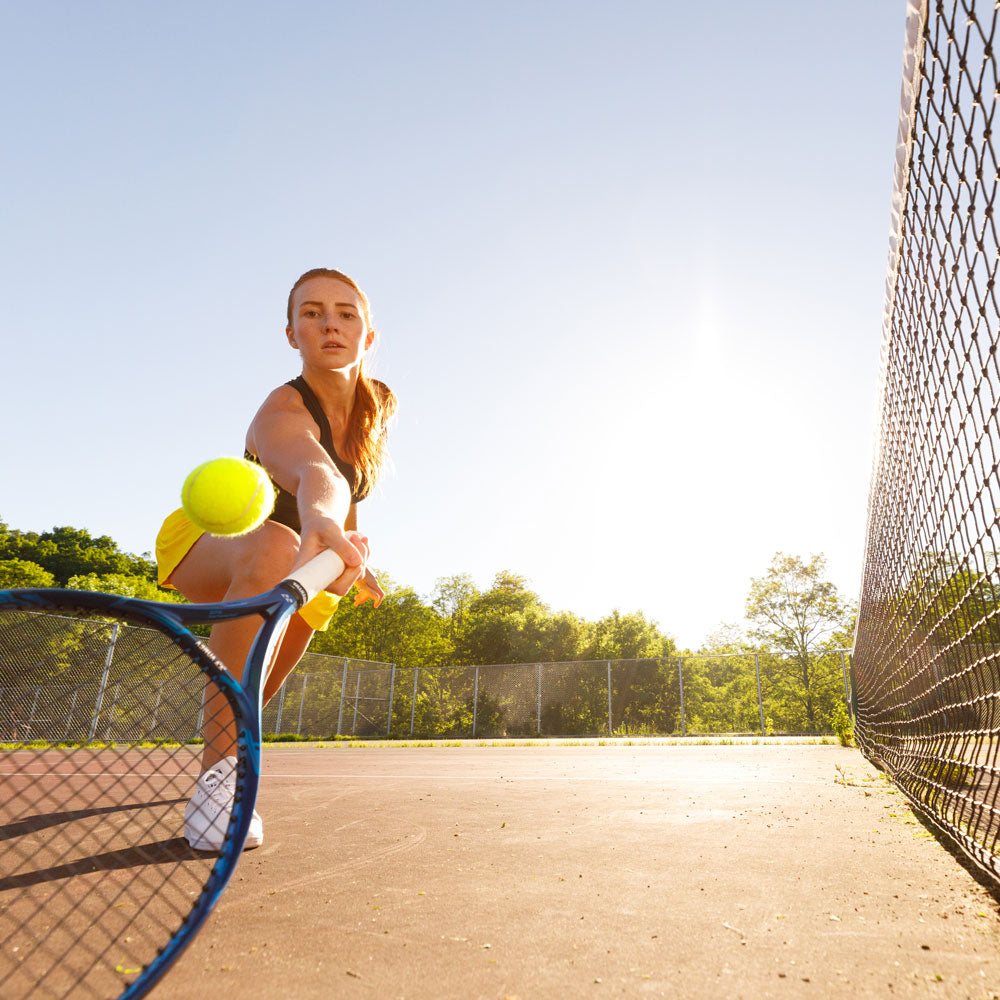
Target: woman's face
(328,325)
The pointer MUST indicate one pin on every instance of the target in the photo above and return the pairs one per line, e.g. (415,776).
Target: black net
(96,768)
(927,652)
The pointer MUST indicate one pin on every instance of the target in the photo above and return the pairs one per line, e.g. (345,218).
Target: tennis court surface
(591,871)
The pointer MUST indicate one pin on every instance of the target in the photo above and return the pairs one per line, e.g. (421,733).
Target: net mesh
(96,769)
(927,651)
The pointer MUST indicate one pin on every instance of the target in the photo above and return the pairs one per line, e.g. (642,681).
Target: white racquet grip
(318,573)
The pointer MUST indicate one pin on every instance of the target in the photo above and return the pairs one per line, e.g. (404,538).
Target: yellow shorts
(174,542)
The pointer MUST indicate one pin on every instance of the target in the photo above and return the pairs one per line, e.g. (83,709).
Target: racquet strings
(97,764)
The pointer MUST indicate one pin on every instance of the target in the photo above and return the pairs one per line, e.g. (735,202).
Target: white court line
(667,779)
(560,777)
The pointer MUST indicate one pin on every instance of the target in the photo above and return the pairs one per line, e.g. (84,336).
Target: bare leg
(294,644)
(227,569)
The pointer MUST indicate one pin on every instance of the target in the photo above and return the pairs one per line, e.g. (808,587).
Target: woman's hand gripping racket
(101,702)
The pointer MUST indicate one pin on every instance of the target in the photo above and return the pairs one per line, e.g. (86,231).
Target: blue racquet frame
(276,607)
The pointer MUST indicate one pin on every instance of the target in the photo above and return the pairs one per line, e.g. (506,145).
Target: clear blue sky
(626,260)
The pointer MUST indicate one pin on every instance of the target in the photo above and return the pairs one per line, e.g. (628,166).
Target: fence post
(357,694)
(610,730)
(847,690)
(475,701)
(102,687)
(302,704)
(760,700)
(392,688)
(413,704)
(281,705)
(111,713)
(343,683)
(539,726)
(680,679)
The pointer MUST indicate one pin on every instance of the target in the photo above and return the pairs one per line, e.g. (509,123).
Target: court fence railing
(747,694)
(326,697)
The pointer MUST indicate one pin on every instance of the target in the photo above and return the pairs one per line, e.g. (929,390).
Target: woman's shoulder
(284,411)
(281,403)
(285,396)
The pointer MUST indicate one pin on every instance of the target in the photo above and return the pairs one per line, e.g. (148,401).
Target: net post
(392,689)
(475,701)
(413,703)
(680,681)
(539,710)
(610,730)
(343,683)
(847,689)
(760,699)
(302,704)
(103,686)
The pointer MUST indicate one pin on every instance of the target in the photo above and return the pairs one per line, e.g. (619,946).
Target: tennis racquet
(102,702)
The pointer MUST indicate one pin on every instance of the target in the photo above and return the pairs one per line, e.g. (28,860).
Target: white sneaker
(207,814)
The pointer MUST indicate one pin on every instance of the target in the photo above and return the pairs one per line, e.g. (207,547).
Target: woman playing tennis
(321,438)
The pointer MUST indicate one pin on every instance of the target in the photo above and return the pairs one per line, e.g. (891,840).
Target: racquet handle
(318,573)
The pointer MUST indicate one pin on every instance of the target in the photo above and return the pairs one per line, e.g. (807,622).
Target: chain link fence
(738,694)
(103,706)
(328,696)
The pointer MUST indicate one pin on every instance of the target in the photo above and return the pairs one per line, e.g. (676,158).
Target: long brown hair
(374,401)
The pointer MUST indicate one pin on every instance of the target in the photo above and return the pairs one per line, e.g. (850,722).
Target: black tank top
(286,510)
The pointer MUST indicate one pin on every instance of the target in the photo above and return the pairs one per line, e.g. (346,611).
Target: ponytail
(368,425)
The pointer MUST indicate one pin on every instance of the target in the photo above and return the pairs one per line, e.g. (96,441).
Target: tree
(452,598)
(23,573)
(499,625)
(66,552)
(794,610)
(402,630)
(125,584)
(627,637)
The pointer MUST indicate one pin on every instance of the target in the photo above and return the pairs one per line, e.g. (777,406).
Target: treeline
(508,623)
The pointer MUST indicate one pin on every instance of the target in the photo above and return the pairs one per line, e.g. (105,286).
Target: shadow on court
(139,857)
(588,871)
(42,821)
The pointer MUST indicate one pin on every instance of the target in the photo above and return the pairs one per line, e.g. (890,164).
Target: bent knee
(265,559)
(220,568)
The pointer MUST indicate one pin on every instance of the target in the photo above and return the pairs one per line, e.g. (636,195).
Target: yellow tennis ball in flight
(228,496)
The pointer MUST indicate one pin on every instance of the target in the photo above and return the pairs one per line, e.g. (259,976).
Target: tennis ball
(228,496)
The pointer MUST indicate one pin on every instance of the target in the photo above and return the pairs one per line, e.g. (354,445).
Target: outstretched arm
(284,437)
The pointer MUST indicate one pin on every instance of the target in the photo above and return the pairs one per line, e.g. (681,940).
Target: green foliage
(124,584)
(402,630)
(950,773)
(796,618)
(842,725)
(23,573)
(627,637)
(795,611)
(67,552)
